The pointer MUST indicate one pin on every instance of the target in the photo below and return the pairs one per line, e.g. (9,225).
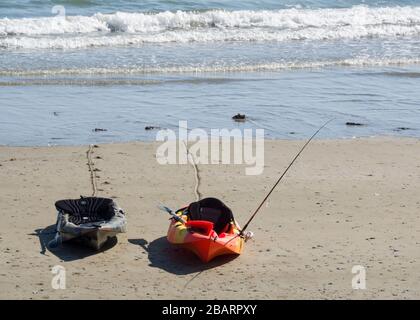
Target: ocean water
(70,66)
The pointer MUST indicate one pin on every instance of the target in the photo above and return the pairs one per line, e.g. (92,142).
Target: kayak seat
(87,209)
(212,210)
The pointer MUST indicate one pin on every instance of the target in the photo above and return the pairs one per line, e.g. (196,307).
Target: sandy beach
(344,203)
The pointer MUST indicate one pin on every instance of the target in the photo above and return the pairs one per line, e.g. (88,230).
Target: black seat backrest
(87,209)
(213,210)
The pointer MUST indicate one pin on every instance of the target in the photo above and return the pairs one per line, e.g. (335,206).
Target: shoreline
(273,139)
(345,202)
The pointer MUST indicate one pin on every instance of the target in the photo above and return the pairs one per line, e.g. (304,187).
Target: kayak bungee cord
(281,177)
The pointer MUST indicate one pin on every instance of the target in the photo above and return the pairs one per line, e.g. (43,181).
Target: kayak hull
(96,238)
(205,246)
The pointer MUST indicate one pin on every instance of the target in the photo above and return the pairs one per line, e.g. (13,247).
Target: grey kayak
(91,220)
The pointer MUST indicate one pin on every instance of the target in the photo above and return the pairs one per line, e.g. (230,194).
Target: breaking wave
(125,29)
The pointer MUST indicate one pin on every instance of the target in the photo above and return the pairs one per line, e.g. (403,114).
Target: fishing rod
(281,177)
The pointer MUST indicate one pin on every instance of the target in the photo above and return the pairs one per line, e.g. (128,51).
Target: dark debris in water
(354,124)
(402,129)
(239,117)
(151,128)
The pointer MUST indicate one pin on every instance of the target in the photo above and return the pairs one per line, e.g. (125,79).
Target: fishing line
(281,177)
(197,175)
(93,176)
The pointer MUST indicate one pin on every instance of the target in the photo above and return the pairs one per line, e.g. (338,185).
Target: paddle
(173,214)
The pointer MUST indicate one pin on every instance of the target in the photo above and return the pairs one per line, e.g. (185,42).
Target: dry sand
(344,203)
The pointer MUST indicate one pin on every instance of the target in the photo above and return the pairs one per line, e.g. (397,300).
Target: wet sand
(344,203)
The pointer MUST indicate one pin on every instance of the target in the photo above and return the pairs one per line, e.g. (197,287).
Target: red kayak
(200,238)
(206,228)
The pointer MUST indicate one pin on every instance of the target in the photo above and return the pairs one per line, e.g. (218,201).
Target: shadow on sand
(68,251)
(176,260)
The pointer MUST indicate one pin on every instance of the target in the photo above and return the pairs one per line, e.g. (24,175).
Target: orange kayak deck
(206,245)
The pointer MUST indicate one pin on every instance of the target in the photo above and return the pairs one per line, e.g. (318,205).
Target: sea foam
(264,67)
(125,29)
